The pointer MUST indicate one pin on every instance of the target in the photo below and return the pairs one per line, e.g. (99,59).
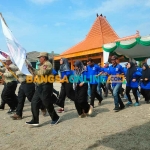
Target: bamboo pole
(10,70)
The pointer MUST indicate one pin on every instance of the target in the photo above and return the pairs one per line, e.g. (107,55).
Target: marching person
(93,71)
(145,83)
(81,104)
(132,78)
(25,90)
(43,93)
(66,88)
(116,70)
(8,94)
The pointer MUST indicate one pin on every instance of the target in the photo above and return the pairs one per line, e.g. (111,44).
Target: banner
(17,52)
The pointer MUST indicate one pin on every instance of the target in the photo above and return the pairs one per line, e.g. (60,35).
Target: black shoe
(122,107)
(116,109)
(1,107)
(55,122)
(11,111)
(32,123)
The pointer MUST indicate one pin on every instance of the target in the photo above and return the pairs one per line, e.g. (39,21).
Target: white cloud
(60,24)
(42,1)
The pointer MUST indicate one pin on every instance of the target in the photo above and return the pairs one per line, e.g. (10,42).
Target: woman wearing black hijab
(82,106)
(66,88)
(132,78)
(145,82)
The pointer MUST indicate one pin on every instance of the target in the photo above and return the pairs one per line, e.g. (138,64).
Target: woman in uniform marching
(145,83)
(81,104)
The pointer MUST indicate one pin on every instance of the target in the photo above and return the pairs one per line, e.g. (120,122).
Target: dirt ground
(128,129)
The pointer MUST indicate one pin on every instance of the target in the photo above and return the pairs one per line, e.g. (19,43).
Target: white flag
(17,52)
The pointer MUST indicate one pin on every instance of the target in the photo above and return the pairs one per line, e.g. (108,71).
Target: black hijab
(145,73)
(81,67)
(130,72)
(65,65)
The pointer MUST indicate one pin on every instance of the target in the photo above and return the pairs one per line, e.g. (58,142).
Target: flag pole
(3,19)
(30,70)
(9,70)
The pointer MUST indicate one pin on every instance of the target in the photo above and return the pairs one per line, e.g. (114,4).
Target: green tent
(136,48)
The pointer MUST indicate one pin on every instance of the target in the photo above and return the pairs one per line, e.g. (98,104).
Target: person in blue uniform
(93,71)
(116,70)
(81,87)
(132,78)
(145,83)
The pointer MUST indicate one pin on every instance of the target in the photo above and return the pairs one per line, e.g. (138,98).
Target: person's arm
(99,70)
(136,76)
(45,69)
(2,69)
(121,70)
(13,68)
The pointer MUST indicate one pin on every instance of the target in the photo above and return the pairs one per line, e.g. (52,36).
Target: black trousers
(8,94)
(134,90)
(94,94)
(66,90)
(146,94)
(43,94)
(81,103)
(25,90)
(55,92)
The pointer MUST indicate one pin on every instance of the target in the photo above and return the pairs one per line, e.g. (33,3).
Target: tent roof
(137,48)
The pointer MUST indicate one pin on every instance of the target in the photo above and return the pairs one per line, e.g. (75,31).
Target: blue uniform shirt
(105,77)
(92,71)
(125,70)
(145,86)
(66,73)
(54,72)
(116,70)
(136,76)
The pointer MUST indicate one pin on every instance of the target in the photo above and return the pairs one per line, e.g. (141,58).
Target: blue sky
(56,25)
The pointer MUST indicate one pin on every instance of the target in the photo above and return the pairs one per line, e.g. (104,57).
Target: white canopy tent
(135,48)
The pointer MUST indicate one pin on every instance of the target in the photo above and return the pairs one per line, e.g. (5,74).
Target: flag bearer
(43,93)
(8,94)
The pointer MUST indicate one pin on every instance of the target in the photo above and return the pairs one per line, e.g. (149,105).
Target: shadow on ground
(136,138)
(99,110)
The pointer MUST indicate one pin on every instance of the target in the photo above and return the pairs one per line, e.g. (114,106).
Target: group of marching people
(41,95)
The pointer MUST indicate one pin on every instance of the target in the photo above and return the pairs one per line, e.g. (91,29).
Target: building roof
(32,56)
(100,33)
